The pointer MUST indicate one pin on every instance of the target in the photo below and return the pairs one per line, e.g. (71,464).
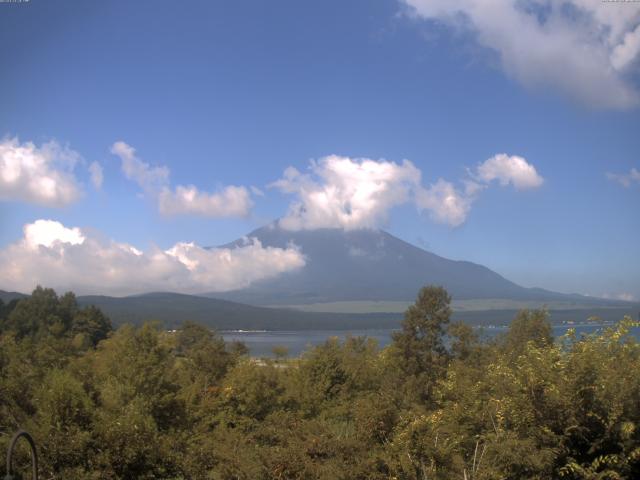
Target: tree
(419,347)
(528,326)
(281,352)
(203,361)
(5,310)
(463,340)
(145,403)
(41,314)
(90,321)
(139,408)
(44,314)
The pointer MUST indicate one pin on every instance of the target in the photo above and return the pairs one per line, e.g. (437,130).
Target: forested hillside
(142,403)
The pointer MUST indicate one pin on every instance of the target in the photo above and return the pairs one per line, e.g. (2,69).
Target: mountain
(376,266)
(6,297)
(368,266)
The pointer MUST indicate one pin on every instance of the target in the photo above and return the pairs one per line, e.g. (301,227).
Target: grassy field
(476,305)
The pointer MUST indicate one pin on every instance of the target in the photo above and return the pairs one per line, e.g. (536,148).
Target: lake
(261,343)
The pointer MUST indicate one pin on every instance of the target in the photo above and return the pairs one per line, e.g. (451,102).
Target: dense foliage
(142,403)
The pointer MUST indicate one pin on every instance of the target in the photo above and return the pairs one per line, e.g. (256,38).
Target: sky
(133,134)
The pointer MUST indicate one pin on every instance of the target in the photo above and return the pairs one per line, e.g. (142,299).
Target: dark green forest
(437,403)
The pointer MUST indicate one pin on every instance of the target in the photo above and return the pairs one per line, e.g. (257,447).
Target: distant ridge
(173,309)
(6,297)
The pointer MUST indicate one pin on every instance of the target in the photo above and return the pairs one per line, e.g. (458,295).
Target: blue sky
(234,93)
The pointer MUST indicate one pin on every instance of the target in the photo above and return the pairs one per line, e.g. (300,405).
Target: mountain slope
(172,309)
(372,265)
(6,297)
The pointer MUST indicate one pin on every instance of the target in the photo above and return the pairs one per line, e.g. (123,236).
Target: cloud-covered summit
(353,193)
(345,192)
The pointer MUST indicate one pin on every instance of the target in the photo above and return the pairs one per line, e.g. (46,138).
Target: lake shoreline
(296,342)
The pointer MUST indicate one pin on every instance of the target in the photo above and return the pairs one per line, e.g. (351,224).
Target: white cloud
(509,170)
(625,179)
(256,191)
(627,51)
(346,193)
(41,175)
(71,259)
(450,205)
(97,175)
(341,192)
(231,201)
(445,203)
(583,48)
(146,176)
(627,297)
(46,233)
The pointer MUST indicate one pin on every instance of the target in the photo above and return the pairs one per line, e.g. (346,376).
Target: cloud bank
(585,49)
(231,201)
(39,175)
(353,193)
(72,259)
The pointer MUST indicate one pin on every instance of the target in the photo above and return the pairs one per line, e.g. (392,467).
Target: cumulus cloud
(585,49)
(627,50)
(445,203)
(342,192)
(46,233)
(146,176)
(72,259)
(231,201)
(451,205)
(40,175)
(625,179)
(346,193)
(512,170)
(97,175)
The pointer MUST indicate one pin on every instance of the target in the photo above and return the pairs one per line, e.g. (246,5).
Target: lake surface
(261,343)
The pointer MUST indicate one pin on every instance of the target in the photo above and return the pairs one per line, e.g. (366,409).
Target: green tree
(528,326)
(91,323)
(419,347)
(464,341)
(42,314)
